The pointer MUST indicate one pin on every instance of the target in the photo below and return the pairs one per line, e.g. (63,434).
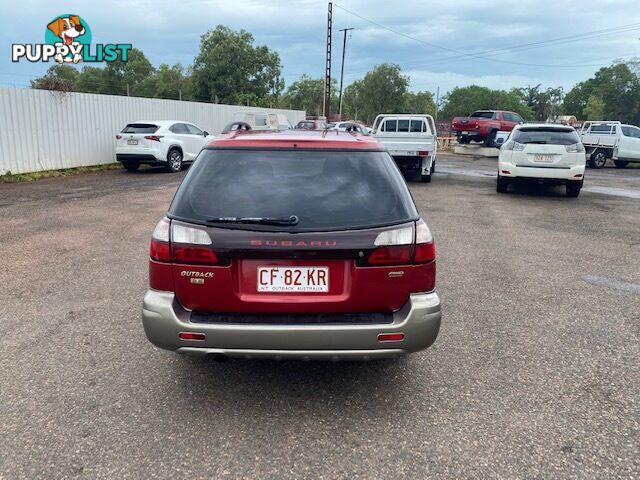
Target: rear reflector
(506,172)
(423,153)
(391,337)
(192,336)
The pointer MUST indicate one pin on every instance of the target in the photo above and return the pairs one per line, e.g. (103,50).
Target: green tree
(230,69)
(352,100)
(544,103)
(462,101)
(170,82)
(58,77)
(92,80)
(135,74)
(594,109)
(617,86)
(419,102)
(307,94)
(382,90)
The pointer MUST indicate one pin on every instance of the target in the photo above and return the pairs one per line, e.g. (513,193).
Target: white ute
(615,140)
(543,153)
(411,140)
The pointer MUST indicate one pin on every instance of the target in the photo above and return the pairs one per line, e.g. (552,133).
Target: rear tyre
(621,163)
(490,140)
(131,166)
(502,184)
(598,159)
(463,139)
(573,189)
(174,161)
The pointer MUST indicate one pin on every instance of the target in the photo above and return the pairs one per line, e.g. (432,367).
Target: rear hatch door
(341,200)
(266,272)
(133,137)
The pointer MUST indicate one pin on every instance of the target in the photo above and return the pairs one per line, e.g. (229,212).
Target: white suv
(544,153)
(167,143)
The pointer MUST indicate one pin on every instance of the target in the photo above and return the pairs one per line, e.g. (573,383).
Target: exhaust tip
(218,357)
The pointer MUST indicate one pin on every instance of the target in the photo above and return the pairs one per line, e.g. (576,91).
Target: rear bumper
(164,318)
(572,173)
(414,163)
(142,158)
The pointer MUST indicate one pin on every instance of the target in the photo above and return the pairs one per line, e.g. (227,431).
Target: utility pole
(344,48)
(437,101)
(326,110)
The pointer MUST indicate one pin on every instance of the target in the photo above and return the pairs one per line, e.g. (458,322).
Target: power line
(461,53)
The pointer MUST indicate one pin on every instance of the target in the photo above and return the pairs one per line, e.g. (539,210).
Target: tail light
(154,138)
(412,246)
(425,250)
(160,248)
(575,148)
(118,137)
(403,246)
(181,244)
(393,247)
(191,246)
(511,145)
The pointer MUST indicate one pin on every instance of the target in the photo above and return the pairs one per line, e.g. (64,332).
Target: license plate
(293,279)
(542,158)
(132,142)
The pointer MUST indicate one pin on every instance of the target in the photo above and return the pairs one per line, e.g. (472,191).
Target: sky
(439,44)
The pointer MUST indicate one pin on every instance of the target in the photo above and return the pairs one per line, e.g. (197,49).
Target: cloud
(170,32)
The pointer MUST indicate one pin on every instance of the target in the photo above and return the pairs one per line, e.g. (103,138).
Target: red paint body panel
(160,276)
(352,289)
(331,139)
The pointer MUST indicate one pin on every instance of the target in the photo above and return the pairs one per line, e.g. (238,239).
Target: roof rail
(236,127)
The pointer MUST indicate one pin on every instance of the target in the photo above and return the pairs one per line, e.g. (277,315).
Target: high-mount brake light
(160,248)
(191,246)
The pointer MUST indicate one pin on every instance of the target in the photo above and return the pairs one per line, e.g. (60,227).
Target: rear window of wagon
(140,128)
(546,135)
(326,189)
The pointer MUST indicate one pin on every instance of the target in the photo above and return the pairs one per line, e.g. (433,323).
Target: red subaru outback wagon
(292,244)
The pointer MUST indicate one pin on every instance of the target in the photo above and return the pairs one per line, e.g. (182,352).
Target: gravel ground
(536,373)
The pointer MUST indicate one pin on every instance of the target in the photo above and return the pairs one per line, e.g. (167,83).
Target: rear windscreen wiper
(290,220)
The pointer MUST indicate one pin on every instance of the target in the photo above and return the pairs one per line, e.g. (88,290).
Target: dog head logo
(67,38)
(70,31)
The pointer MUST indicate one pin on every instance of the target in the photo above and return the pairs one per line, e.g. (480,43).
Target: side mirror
(205,133)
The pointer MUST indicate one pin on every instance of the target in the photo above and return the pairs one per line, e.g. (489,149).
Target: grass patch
(65,172)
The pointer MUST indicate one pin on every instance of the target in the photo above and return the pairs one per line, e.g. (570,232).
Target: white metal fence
(43,130)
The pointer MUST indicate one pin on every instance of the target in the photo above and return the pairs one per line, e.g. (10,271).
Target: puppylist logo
(68,39)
